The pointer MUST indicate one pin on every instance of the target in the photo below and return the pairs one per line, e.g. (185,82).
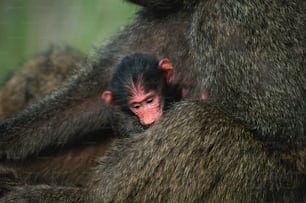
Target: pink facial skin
(146,106)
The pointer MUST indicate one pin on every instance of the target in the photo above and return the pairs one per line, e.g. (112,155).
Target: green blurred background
(28,27)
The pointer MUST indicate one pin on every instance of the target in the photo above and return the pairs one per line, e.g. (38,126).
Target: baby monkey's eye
(150,100)
(135,106)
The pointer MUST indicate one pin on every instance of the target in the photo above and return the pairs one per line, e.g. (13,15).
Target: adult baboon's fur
(38,78)
(246,142)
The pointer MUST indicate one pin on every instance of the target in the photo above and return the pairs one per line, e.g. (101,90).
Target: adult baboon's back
(37,78)
(247,142)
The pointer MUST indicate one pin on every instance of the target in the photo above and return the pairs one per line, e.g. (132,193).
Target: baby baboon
(141,87)
(245,142)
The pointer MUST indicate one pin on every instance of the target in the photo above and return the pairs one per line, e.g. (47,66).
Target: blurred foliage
(28,27)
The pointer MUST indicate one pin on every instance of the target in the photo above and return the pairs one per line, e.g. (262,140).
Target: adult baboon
(245,143)
(35,79)
(38,78)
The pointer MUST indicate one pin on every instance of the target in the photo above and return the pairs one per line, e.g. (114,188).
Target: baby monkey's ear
(107,97)
(165,65)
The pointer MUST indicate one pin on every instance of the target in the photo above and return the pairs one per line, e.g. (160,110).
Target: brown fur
(245,143)
(38,78)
